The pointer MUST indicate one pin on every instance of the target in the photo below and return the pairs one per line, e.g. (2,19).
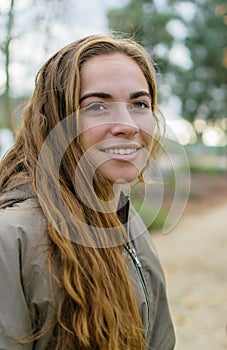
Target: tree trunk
(7,94)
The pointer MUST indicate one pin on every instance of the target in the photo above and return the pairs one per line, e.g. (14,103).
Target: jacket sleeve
(15,321)
(27,295)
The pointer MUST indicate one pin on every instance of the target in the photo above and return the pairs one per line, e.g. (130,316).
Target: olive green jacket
(27,301)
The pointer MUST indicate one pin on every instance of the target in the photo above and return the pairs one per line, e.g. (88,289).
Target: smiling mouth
(121,151)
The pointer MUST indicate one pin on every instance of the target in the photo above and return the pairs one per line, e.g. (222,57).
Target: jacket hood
(16,195)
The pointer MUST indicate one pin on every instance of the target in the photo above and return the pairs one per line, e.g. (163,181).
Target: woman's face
(115,120)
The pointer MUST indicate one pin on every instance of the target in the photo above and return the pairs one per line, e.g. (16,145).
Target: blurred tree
(41,14)
(5,49)
(188,42)
(202,88)
(142,20)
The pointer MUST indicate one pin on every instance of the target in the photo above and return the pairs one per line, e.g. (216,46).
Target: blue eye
(96,107)
(140,105)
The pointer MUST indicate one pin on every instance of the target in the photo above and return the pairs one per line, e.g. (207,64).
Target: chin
(121,178)
(122,181)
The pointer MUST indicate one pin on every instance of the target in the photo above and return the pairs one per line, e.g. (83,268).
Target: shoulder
(145,247)
(24,245)
(22,223)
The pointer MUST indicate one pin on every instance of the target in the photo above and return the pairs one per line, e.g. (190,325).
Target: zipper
(138,267)
(122,213)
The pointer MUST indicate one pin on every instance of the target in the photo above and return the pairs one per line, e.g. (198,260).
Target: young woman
(77,266)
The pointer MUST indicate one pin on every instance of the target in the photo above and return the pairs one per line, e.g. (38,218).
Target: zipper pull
(133,255)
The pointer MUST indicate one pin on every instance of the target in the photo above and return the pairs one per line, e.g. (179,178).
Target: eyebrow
(95,94)
(140,93)
(108,96)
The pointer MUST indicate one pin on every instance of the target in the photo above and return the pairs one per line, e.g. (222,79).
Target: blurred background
(188,43)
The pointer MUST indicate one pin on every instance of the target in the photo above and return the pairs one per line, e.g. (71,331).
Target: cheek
(91,136)
(147,131)
(86,139)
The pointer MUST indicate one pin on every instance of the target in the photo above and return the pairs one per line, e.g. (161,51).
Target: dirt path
(194,256)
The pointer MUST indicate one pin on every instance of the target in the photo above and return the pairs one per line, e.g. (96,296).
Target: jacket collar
(123,208)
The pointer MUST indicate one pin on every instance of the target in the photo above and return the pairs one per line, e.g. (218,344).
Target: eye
(141,105)
(95,107)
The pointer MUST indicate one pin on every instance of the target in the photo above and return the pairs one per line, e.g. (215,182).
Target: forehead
(113,60)
(112,70)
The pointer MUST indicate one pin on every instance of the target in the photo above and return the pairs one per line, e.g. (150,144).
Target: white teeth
(120,150)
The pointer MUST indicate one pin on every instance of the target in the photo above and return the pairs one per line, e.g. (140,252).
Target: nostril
(124,129)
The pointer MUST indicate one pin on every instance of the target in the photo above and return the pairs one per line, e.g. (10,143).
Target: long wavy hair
(96,308)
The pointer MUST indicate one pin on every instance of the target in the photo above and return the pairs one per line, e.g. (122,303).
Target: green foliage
(200,85)
(205,84)
(202,169)
(140,20)
(153,220)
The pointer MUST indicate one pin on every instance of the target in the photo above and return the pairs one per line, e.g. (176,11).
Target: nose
(123,124)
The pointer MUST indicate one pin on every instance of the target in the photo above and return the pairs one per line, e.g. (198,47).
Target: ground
(194,258)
